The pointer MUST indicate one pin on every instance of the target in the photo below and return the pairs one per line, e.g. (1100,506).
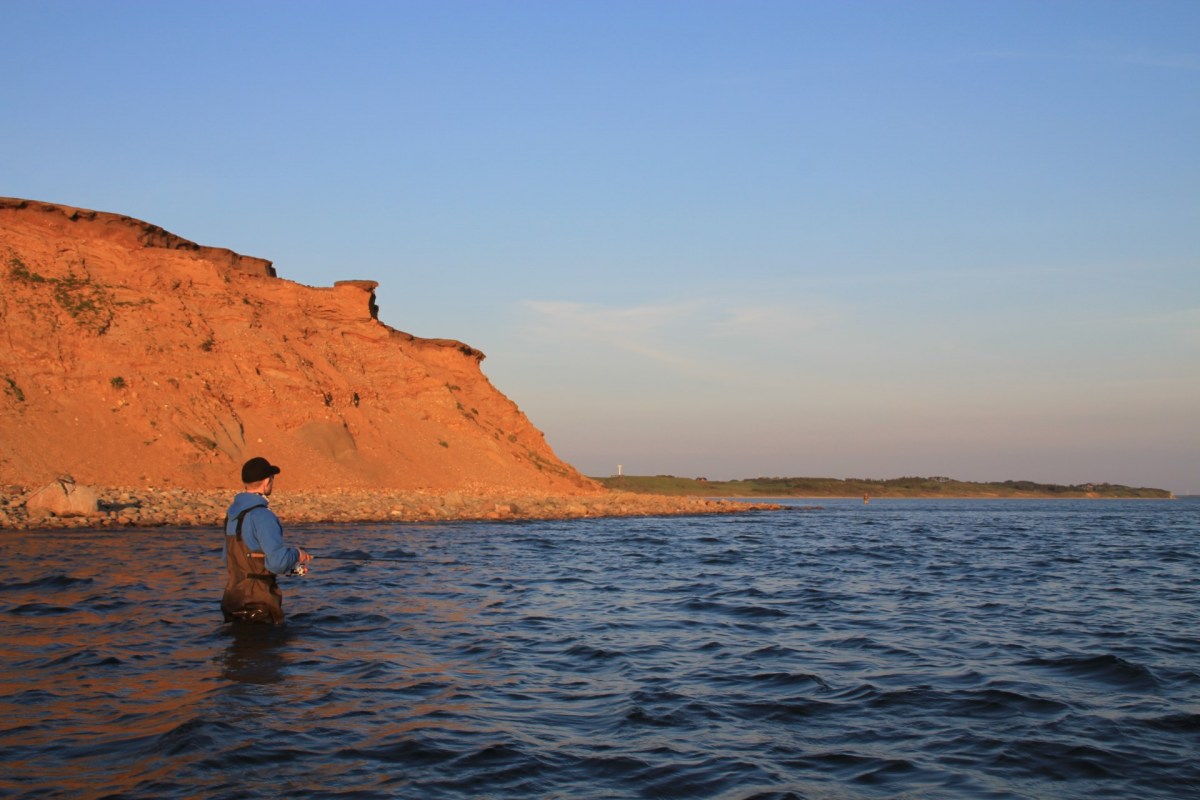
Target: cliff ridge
(133,357)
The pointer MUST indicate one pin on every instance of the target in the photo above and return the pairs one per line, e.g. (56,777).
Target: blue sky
(732,239)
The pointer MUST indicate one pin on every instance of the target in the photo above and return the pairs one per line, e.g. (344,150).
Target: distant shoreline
(894,488)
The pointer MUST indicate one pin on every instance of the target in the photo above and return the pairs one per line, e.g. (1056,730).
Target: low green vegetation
(18,271)
(858,487)
(86,301)
(545,465)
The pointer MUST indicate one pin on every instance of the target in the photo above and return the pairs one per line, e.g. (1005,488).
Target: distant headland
(864,487)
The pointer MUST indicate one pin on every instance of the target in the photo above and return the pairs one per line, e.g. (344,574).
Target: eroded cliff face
(132,357)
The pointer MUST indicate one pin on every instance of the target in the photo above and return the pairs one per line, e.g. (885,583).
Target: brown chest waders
(251,592)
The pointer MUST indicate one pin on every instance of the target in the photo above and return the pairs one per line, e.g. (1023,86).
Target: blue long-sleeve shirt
(262,532)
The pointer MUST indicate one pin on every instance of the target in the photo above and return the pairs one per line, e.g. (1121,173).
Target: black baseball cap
(258,469)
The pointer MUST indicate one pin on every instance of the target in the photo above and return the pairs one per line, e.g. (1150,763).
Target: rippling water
(949,649)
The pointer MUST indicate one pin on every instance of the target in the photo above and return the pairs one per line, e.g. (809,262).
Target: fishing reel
(299,570)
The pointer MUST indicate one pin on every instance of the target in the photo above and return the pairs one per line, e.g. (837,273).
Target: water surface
(941,649)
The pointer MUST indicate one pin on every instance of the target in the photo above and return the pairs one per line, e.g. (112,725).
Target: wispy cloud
(681,335)
(642,330)
(770,322)
(595,321)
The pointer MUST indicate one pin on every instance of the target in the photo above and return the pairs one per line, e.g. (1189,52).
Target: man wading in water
(254,550)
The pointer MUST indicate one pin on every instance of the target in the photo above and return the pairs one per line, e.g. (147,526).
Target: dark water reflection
(904,649)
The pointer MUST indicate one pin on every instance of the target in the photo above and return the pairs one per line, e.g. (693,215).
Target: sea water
(919,649)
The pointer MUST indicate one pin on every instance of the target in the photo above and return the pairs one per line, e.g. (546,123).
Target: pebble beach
(148,507)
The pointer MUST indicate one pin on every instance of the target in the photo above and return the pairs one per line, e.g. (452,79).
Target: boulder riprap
(133,507)
(63,498)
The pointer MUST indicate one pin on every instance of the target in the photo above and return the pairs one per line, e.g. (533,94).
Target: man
(254,550)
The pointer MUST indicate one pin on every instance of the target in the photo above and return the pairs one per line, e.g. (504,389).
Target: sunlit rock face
(130,356)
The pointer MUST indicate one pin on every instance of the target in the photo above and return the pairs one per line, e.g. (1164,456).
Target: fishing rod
(417,559)
(302,569)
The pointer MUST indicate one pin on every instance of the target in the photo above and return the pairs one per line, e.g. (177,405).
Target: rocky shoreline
(146,508)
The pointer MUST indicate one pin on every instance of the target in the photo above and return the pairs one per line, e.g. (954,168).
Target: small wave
(492,756)
(675,774)
(742,611)
(348,555)
(757,612)
(605,767)
(1106,668)
(568,580)
(847,767)
(722,559)
(196,734)
(862,693)
(788,710)
(322,621)
(639,715)
(107,604)
(409,750)
(589,653)
(398,553)
(1062,762)
(977,704)
(40,610)
(431,689)
(85,658)
(855,642)
(47,582)
(655,540)
(784,680)
(748,591)
(1002,703)
(663,707)
(698,604)
(1175,723)
(773,651)
(363,671)
(541,542)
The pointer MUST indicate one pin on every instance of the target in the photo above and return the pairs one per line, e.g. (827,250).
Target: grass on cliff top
(856,487)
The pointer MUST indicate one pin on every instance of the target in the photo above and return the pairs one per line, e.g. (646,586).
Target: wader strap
(242,517)
(238,535)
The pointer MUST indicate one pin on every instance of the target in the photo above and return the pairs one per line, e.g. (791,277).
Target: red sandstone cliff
(132,357)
